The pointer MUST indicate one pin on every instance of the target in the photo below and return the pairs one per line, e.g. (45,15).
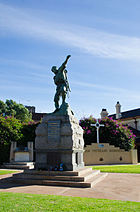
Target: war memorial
(59,145)
(59,138)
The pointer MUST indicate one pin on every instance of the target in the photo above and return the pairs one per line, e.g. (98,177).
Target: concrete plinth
(59,139)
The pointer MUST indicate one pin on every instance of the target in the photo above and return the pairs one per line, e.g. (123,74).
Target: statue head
(54,69)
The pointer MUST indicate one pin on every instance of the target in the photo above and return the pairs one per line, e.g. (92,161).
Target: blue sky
(103,38)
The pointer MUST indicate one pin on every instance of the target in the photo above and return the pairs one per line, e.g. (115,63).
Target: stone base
(59,139)
(83,178)
(54,158)
(18,165)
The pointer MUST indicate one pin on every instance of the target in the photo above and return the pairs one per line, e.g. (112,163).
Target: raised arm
(65,62)
(63,66)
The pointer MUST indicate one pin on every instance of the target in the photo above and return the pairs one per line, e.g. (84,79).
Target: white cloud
(29,65)
(16,87)
(106,91)
(92,41)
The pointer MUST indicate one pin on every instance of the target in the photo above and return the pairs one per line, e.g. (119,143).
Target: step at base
(54,183)
(83,178)
(45,177)
(19,165)
(80,172)
(98,178)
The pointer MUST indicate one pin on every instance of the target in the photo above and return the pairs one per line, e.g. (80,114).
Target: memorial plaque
(54,130)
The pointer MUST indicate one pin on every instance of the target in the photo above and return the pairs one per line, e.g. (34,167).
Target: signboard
(54,130)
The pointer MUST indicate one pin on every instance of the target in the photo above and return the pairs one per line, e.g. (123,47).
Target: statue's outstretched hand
(68,57)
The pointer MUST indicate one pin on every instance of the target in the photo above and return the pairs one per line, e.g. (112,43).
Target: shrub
(114,133)
(12,129)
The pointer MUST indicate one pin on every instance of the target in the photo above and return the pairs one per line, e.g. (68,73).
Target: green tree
(2,107)
(28,131)
(10,130)
(11,108)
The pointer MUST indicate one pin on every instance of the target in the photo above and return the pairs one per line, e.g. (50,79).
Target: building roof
(128,114)
(37,116)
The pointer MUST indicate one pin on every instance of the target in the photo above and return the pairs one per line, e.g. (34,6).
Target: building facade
(130,118)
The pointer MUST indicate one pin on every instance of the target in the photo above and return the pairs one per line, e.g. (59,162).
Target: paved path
(115,186)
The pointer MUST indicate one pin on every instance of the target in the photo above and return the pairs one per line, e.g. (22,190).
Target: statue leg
(64,93)
(63,97)
(56,105)
(56,100)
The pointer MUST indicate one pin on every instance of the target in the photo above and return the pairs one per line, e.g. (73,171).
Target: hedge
(114,133)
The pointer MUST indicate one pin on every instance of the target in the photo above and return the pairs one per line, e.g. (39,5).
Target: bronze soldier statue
(60,79)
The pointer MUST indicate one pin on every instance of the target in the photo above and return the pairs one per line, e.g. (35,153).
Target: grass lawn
(119,168)
(35,202)
(2,172)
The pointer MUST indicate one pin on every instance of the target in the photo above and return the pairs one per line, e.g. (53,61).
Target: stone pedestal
(22,156)
(18,154)
(59,139)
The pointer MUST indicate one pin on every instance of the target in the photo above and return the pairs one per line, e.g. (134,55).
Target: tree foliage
(11,108)
(12,129)
(2,107)
(114,133)
(28,131)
